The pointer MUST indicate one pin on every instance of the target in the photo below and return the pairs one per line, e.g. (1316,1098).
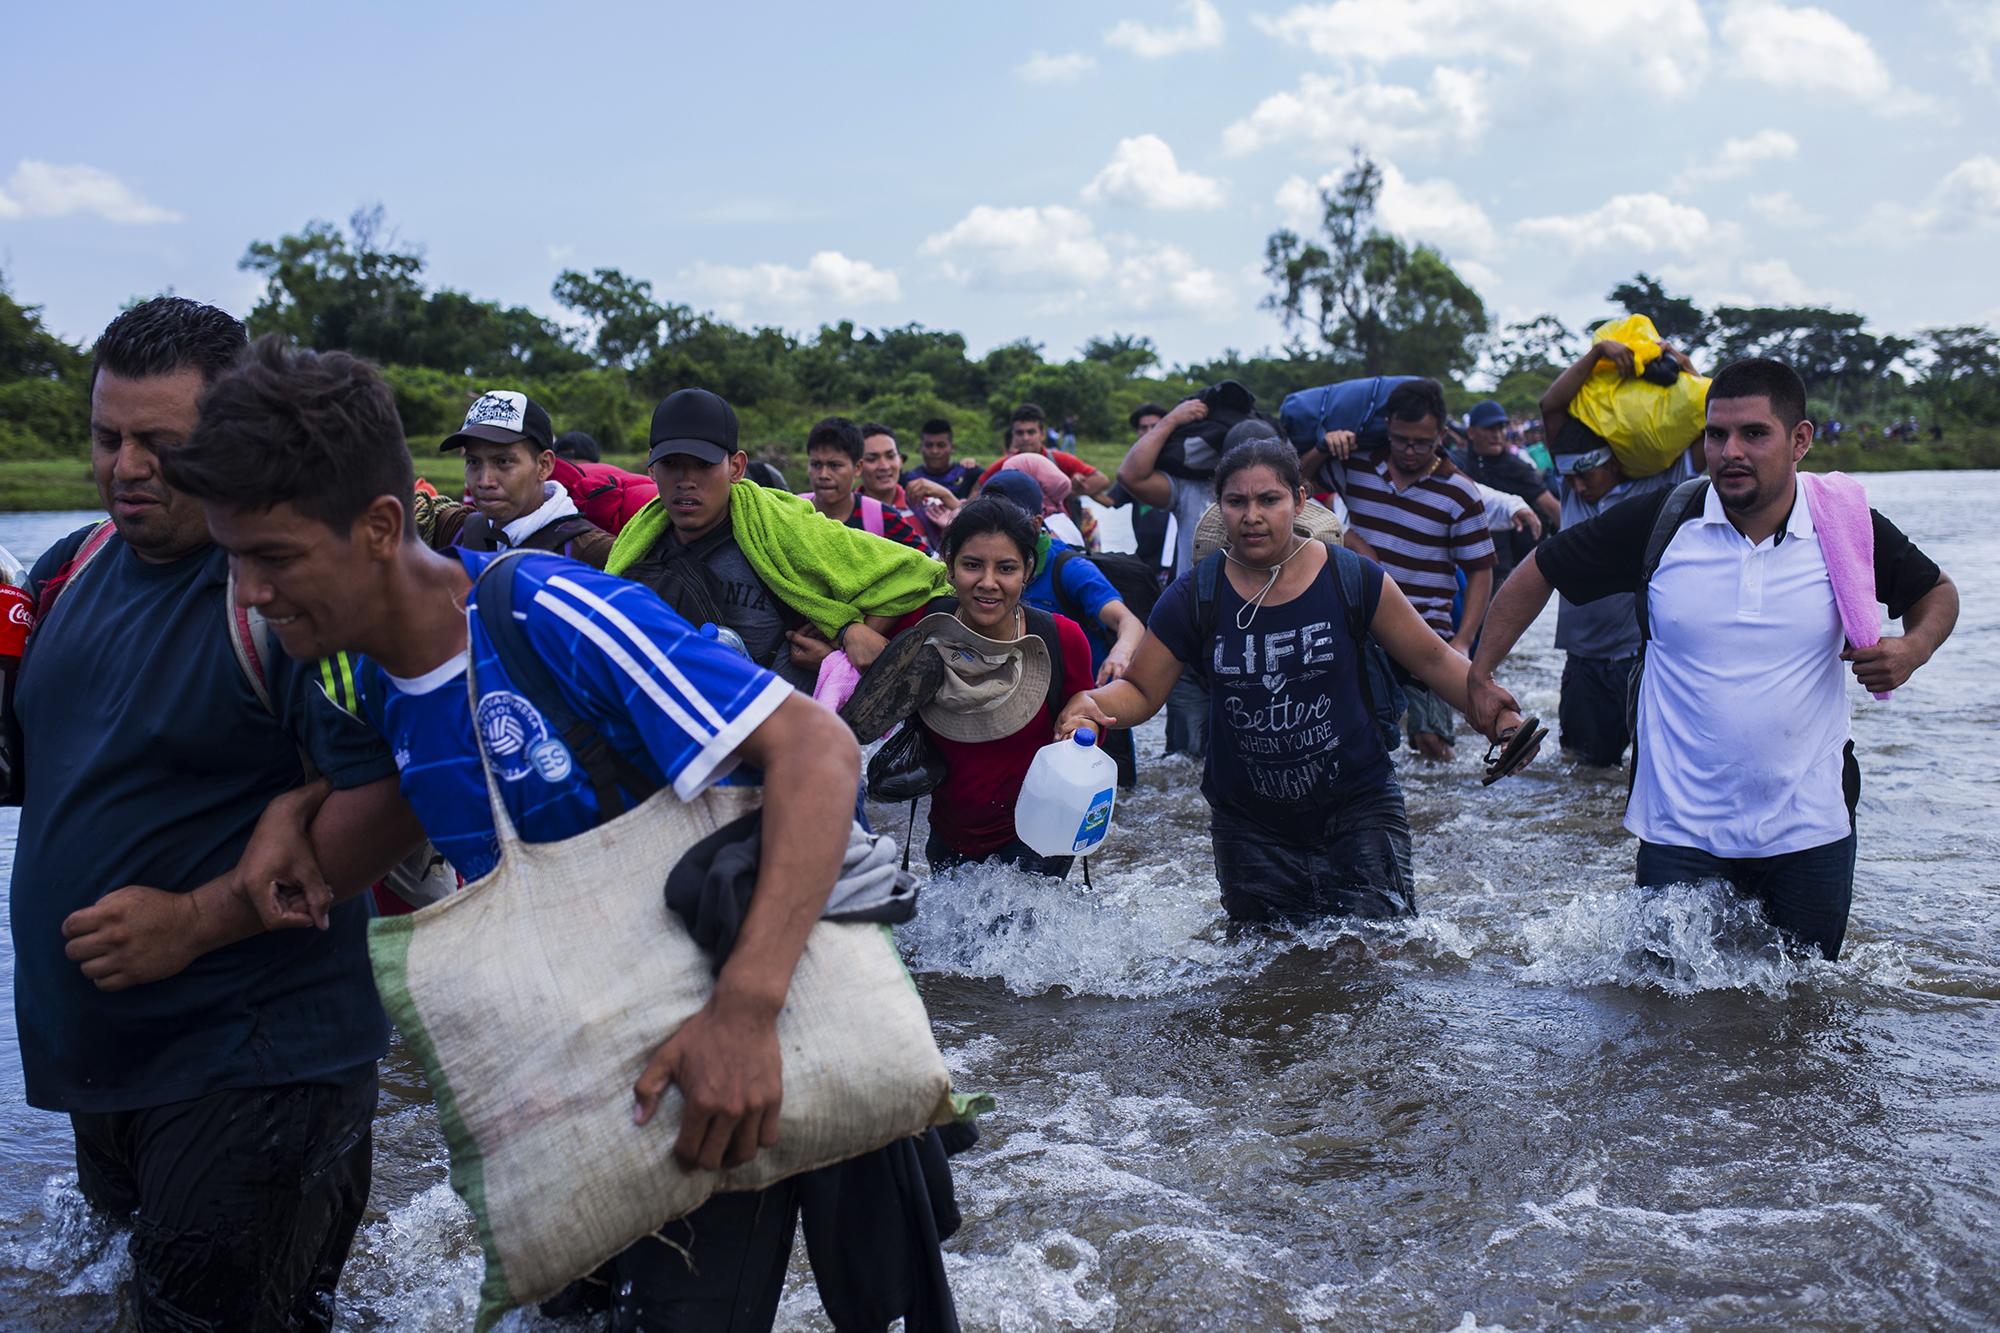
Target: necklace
(1247,614)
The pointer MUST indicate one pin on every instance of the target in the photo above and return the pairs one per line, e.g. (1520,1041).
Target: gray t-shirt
(1189,501)
(1608,628)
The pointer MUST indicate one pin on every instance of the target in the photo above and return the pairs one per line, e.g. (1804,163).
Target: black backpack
(1135,581)
(1228,403)
(1379,690)
(479,534)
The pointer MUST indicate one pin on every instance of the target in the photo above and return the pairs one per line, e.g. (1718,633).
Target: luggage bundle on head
(1194,449)
(1650,419)
(1356,405)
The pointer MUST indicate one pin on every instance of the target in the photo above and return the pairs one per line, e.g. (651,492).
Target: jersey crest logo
(511,730)
(551,760)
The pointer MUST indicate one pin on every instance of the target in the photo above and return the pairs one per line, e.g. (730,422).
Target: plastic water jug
(1065,803)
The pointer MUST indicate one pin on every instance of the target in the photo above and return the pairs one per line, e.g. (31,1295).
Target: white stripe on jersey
(646,645)
(591,630)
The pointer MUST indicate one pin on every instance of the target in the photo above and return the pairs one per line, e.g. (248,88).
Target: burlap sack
(534,998)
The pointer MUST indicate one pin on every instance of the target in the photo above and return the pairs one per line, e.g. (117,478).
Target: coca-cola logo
(21,614)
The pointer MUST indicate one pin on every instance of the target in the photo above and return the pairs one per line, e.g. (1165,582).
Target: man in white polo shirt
(1743,768)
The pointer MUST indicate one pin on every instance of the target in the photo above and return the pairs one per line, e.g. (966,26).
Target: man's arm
(1563,390)
(1550,509)
(1478,591)
(725,1059)
(1139,472)
(1926,625)
(1092,483)
(1416,646)
(1521,599)
(1128,633)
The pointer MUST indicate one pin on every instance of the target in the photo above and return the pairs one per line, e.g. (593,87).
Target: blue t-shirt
(1085,594)
(673,703)
(149,760)
(1290,736)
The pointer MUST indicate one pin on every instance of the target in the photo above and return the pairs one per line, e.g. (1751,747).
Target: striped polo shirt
(1421,532)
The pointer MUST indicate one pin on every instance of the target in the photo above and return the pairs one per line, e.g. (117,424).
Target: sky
(1028,170)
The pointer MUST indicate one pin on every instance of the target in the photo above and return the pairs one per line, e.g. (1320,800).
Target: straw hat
(1314,522)
(992,687)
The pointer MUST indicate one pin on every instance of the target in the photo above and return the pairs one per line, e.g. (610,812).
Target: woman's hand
(808,648)
(1081,712)
(1116,663)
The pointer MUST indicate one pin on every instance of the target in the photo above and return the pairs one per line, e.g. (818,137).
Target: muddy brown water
(1493,1117)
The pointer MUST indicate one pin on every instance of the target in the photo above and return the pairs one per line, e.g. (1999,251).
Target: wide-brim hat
(992,687)
(1314,522)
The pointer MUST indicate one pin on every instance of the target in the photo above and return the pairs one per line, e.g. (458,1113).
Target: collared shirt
(1743,711)
(1422,533)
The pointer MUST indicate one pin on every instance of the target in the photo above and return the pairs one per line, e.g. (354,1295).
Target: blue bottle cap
(1085,736)
(708,631)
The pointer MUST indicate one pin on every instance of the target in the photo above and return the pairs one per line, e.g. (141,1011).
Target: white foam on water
(1581,1213)
(1682,940)
(416,1267)
(76,1246)
(1052,1280)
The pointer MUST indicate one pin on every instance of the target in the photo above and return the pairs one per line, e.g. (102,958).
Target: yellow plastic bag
(1647,425)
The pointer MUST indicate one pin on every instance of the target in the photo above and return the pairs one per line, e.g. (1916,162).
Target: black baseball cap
(501,416)
(693,422)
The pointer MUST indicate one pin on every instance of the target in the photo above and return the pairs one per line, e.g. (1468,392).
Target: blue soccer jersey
(674,704)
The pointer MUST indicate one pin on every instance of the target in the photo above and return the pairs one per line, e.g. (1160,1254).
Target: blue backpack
(1356,405)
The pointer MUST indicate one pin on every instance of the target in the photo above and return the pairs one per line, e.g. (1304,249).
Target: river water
(1490,1118)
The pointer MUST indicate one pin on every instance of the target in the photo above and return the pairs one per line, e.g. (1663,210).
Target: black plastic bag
(907,766)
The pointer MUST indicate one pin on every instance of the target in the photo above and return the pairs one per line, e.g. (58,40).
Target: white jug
(1065,803)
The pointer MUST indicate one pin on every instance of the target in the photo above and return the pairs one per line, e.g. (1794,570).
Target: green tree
(1840,361)
(1542,345)
(1376,304)
(1961,378)
(28,351)
(1679,320)
(627,325)
(1126,353)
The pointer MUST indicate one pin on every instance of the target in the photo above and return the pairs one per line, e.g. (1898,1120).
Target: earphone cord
(1247,615)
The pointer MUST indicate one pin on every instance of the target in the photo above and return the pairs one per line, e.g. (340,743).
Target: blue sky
(1035,170)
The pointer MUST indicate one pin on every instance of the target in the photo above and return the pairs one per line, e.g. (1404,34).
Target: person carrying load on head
(577,699)
(1307,819)
(219,1077)
(1753,585)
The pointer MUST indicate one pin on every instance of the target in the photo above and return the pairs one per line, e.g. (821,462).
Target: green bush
(44,418)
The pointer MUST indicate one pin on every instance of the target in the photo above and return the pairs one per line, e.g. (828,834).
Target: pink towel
(837,678)
(1839,509)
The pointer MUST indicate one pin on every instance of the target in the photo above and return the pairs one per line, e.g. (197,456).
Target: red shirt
(972,811)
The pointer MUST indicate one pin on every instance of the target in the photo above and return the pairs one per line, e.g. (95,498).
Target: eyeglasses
(1408,445)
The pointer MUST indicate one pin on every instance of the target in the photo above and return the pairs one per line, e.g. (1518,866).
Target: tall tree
(1679,320)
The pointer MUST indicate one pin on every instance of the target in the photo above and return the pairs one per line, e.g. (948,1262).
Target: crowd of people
(258,706)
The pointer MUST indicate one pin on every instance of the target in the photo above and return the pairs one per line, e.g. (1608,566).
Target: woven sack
(535,996)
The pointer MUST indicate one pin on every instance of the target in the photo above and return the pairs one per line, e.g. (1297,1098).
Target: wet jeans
(1805,894)
(1357,865)
(721,1268)
(243,1203)
(1592,711)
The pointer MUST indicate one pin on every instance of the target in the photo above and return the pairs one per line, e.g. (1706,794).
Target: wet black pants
(242,1203)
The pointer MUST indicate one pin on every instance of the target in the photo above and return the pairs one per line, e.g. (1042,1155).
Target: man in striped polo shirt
(1425,520)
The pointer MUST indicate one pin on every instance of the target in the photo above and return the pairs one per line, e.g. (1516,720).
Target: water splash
(1682,940)
(76,1247)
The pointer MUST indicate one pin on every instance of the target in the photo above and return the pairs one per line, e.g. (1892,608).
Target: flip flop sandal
(896,684)
(1511,751)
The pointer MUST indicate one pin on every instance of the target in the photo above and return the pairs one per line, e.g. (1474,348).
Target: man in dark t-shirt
(220,1079)
(1488,461)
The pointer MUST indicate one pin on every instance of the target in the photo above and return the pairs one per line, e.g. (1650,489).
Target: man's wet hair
(1761,376)
(169,334)
(1144,410)
(1026,412)
(577,445)
(835,433)
(935,426)
(990,513)
(1413,400)
(870,429)
(1278,455)
(315,430)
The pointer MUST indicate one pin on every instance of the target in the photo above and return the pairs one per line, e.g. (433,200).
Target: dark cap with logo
(694,422)
(501,416)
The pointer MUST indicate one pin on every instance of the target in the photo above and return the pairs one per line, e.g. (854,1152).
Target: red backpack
(608,496)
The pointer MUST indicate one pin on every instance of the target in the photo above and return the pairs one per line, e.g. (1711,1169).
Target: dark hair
(1278,455)
(935,426)
(765,474)
(316,430)
(576,444)
(1145,410)
(870,429)
(990,513)
(836,433)
(166,334)
(1413,400)
(1760,376)
(1026,412)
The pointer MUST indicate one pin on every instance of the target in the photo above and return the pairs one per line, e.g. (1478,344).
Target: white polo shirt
(1743,709)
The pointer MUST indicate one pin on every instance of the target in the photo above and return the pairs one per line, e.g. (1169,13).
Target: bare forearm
(1522,598)
(360,834)
(1126,702)
(1929,623)
(1478,592)
(1563,390)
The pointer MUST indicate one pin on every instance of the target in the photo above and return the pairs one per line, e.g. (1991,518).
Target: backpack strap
(871,513)
(1681,505)
(1347,569)
(94,541)
(1043,626)
(611,774)
(1064,601)
(1206,573)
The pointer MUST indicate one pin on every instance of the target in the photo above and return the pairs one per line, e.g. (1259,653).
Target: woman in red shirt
(1009,670)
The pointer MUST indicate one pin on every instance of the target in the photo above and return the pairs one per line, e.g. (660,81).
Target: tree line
(1352,298)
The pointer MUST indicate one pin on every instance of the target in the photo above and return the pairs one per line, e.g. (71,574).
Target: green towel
(831,574)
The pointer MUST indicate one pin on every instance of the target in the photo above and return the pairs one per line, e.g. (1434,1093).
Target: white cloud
(1142,172)
(1167,279)
(1967,199)
(1772,282)
(1634,224)
(1202,30)
(1978,26)
(1041,67)
(1807,50)
(830,283)
(1431,211)
(45,190)
(1663,44)
(1335,112)
(1737,158)
(1781,209)
(1028,249)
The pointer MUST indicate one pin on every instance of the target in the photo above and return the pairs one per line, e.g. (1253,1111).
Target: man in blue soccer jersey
(300,462)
